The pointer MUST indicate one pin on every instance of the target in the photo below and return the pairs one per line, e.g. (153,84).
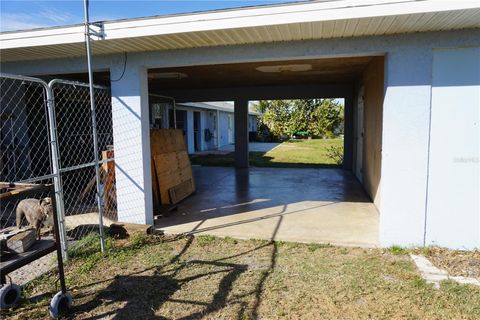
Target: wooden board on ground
(22,241)
(181,191)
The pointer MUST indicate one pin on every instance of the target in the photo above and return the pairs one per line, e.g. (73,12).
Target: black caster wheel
(60,304)
(9,295)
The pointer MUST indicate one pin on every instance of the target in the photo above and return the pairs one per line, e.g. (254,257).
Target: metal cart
(9,292)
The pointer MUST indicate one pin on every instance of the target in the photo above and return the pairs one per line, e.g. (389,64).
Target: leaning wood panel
(167,174)
(171,166)
(165,162)
(181,191)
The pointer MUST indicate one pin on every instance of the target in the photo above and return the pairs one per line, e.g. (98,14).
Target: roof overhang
(288,22)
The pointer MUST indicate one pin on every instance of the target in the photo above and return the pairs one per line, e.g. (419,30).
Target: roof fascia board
(235,19)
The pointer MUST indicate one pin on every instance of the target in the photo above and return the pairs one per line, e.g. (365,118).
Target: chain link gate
(47,137)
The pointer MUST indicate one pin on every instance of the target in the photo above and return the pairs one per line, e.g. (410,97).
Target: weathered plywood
(166,179)
(181,191)
(171,165)
(165,162)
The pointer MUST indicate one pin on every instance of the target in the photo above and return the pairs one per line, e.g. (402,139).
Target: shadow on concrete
(225,192)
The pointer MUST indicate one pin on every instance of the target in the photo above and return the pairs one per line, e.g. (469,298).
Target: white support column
(131,136)
(190,135)
(406,117)
(241,133)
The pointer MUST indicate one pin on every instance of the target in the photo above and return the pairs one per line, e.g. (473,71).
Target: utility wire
(124,68)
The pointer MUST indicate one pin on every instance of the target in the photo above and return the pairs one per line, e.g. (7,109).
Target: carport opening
(311,204)
(294,133)
(298,133)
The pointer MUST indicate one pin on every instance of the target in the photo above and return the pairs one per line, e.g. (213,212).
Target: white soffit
(288,22)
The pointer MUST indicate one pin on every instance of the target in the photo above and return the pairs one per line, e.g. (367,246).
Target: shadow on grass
(257,159)
(142,295)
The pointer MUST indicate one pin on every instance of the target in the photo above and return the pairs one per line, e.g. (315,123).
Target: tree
(319,117)
(276,116)
(327,119)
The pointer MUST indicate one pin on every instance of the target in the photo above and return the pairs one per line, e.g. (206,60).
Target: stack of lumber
(171,169)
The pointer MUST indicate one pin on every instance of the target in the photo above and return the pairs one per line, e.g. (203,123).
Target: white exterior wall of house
(203,126)
(188,126)
(211,124)
(453,201)
(224,128)
(208,120)
(412,213)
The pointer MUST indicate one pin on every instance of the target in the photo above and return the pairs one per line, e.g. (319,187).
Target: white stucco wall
(223,128)
(203,126)
(453,203)
(406,116)
(211,124)
(131,138)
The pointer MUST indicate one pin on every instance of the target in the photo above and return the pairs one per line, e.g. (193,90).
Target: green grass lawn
(149,277)
(290,154)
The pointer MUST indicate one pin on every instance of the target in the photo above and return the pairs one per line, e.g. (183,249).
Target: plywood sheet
(165,162)
(171,166)
(181,191)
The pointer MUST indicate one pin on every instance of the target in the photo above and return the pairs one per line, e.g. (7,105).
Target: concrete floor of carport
(302,205)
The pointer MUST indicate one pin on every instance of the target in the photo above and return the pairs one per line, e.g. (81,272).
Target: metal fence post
(94,127)
(56,171)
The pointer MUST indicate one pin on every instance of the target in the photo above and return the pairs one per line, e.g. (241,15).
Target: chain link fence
(47,137)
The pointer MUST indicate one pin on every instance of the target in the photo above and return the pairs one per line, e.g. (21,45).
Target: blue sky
(21,15)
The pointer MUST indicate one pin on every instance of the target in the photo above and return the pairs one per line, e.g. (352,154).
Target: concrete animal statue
(35,211)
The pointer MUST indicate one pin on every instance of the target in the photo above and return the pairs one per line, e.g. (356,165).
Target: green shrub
(336,154)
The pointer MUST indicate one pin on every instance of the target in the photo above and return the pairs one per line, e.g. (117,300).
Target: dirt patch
(457,263)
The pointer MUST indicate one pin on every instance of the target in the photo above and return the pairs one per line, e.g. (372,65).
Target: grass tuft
(88,245)
(204,240)
(312,247)
(397,250)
